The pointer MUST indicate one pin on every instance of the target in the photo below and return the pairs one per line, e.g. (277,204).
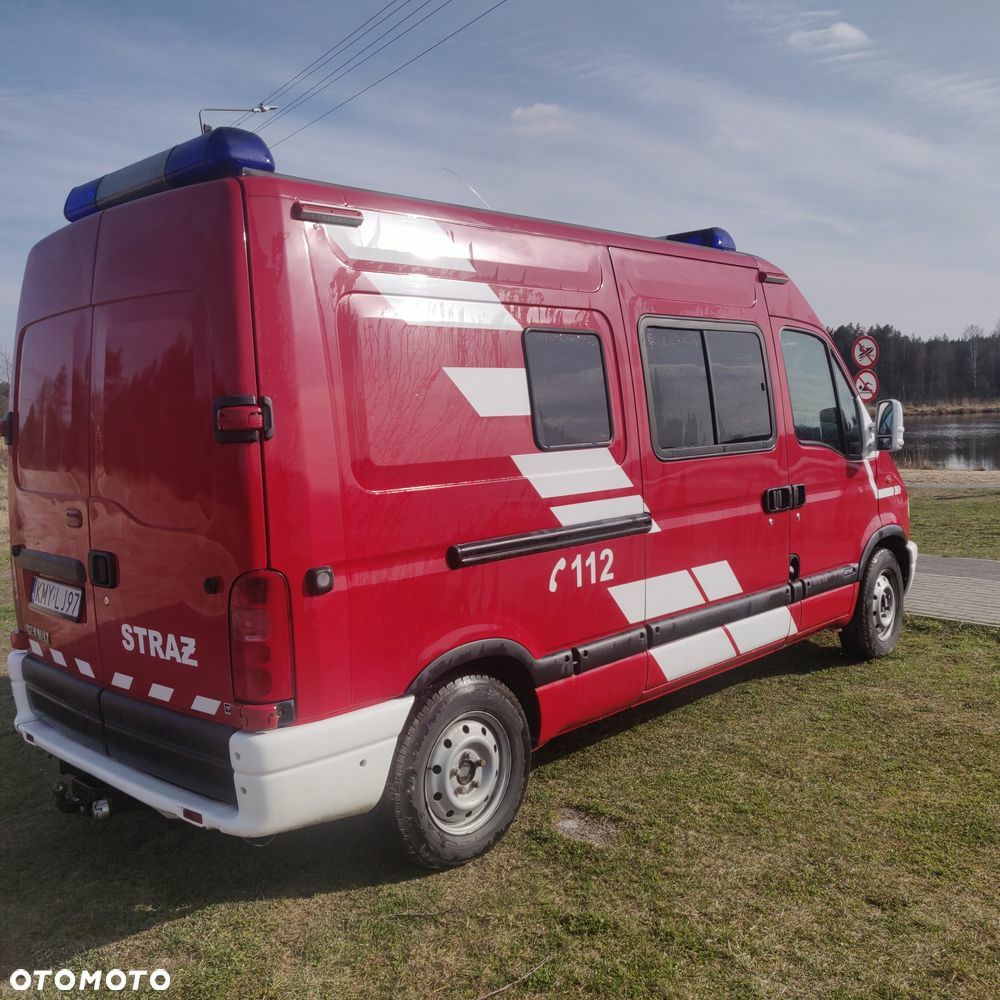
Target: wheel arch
(503,659)
(893,538)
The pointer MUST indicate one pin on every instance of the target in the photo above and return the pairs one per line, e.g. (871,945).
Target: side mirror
(889,425)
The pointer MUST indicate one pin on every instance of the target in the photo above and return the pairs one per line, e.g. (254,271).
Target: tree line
(936,370)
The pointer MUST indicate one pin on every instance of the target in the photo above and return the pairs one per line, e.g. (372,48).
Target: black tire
(878,614)
(474,732)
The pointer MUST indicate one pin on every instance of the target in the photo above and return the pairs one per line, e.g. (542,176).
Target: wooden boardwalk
(964,590)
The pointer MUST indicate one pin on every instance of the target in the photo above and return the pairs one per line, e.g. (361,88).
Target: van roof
(259,181)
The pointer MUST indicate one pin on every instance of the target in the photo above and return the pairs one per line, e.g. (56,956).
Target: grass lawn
(956,522)
(802,827)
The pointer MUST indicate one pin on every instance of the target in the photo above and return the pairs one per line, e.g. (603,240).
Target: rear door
(49,503)
(176,515)
(717,568)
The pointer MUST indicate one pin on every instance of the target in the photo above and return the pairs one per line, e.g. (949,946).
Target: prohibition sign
(864,350)
(866,382)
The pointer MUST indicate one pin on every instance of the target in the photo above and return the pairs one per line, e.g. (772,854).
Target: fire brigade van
(324,498)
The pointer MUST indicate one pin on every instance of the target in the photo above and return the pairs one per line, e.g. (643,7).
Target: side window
(680,399)
(707,391)
(739,384)
(849,415)
(815,408)
(568,387)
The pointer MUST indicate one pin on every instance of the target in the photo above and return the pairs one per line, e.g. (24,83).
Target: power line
(325,57)
(382,79)
(334,75)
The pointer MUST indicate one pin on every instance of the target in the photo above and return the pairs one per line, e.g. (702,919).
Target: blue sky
(858,146)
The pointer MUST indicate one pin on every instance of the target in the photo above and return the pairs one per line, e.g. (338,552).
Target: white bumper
(285,778)
(911,547)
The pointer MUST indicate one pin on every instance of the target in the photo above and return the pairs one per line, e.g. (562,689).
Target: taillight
(260,638)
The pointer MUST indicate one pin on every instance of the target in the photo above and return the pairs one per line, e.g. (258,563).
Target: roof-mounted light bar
(713,237)
(223,152)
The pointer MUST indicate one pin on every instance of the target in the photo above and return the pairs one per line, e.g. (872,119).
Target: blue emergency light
(223,152)
(713,237)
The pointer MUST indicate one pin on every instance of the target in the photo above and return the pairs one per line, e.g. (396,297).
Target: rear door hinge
(242,419)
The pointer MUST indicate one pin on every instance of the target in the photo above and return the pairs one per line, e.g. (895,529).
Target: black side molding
(46,564)
(509,546)
(820,583)
(615,647)
(665,630)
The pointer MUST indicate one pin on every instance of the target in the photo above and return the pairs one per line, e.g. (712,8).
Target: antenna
(455,173)
(258,110)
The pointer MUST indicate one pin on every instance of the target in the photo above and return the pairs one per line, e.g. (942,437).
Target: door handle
(799,495)
(103,568)
(777,499)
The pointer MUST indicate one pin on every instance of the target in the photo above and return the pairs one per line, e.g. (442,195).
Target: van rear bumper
(284,778)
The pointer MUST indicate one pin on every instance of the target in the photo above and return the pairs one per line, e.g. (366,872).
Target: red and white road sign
(864,350)
(866,382)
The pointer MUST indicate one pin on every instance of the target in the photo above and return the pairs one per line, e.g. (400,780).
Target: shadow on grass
(802,658)
(71,884)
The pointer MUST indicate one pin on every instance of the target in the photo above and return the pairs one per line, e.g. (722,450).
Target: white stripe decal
(398,239)
(717,580)
(658,596)
(566,473)
(669,593)
(207,705)
(122,681)
(85,668)
(160,692)
(493,392)
(696,652)
(58,657)
(763,629)
(453,313)
(35,648)
(425,286)
(597,510)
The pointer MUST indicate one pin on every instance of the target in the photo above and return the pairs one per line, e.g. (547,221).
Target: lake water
(968,441)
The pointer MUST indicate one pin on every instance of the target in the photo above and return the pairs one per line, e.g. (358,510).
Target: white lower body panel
(284,778)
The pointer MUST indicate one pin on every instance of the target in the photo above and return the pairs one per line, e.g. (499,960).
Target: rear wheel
(878,615)
(460,771)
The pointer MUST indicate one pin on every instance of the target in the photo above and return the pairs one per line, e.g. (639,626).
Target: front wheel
(460,771)
(878,615)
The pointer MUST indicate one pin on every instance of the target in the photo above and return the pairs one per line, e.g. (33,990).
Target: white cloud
(838,37)
(541,119)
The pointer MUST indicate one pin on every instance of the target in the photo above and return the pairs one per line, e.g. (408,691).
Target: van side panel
(293,314)
(421,323)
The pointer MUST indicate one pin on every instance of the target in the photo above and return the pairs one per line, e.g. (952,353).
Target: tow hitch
(75,793)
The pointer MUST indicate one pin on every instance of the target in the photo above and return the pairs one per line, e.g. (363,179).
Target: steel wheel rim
(884,604)
(467,773)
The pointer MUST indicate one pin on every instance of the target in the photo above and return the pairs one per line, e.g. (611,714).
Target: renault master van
(323,498)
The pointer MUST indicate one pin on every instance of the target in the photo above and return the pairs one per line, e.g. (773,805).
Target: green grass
(802,827)
(956,522)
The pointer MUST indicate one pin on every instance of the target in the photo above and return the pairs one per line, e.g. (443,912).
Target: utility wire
(335,74)
(382,79)
(324,58)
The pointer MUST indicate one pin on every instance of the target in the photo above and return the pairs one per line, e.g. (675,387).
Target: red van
(323,497)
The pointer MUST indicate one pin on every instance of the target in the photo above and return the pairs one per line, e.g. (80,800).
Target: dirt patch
(577,825)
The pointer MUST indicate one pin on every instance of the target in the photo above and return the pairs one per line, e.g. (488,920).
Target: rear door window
(52,405)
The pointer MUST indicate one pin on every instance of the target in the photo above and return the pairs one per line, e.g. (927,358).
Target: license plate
(56,599)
